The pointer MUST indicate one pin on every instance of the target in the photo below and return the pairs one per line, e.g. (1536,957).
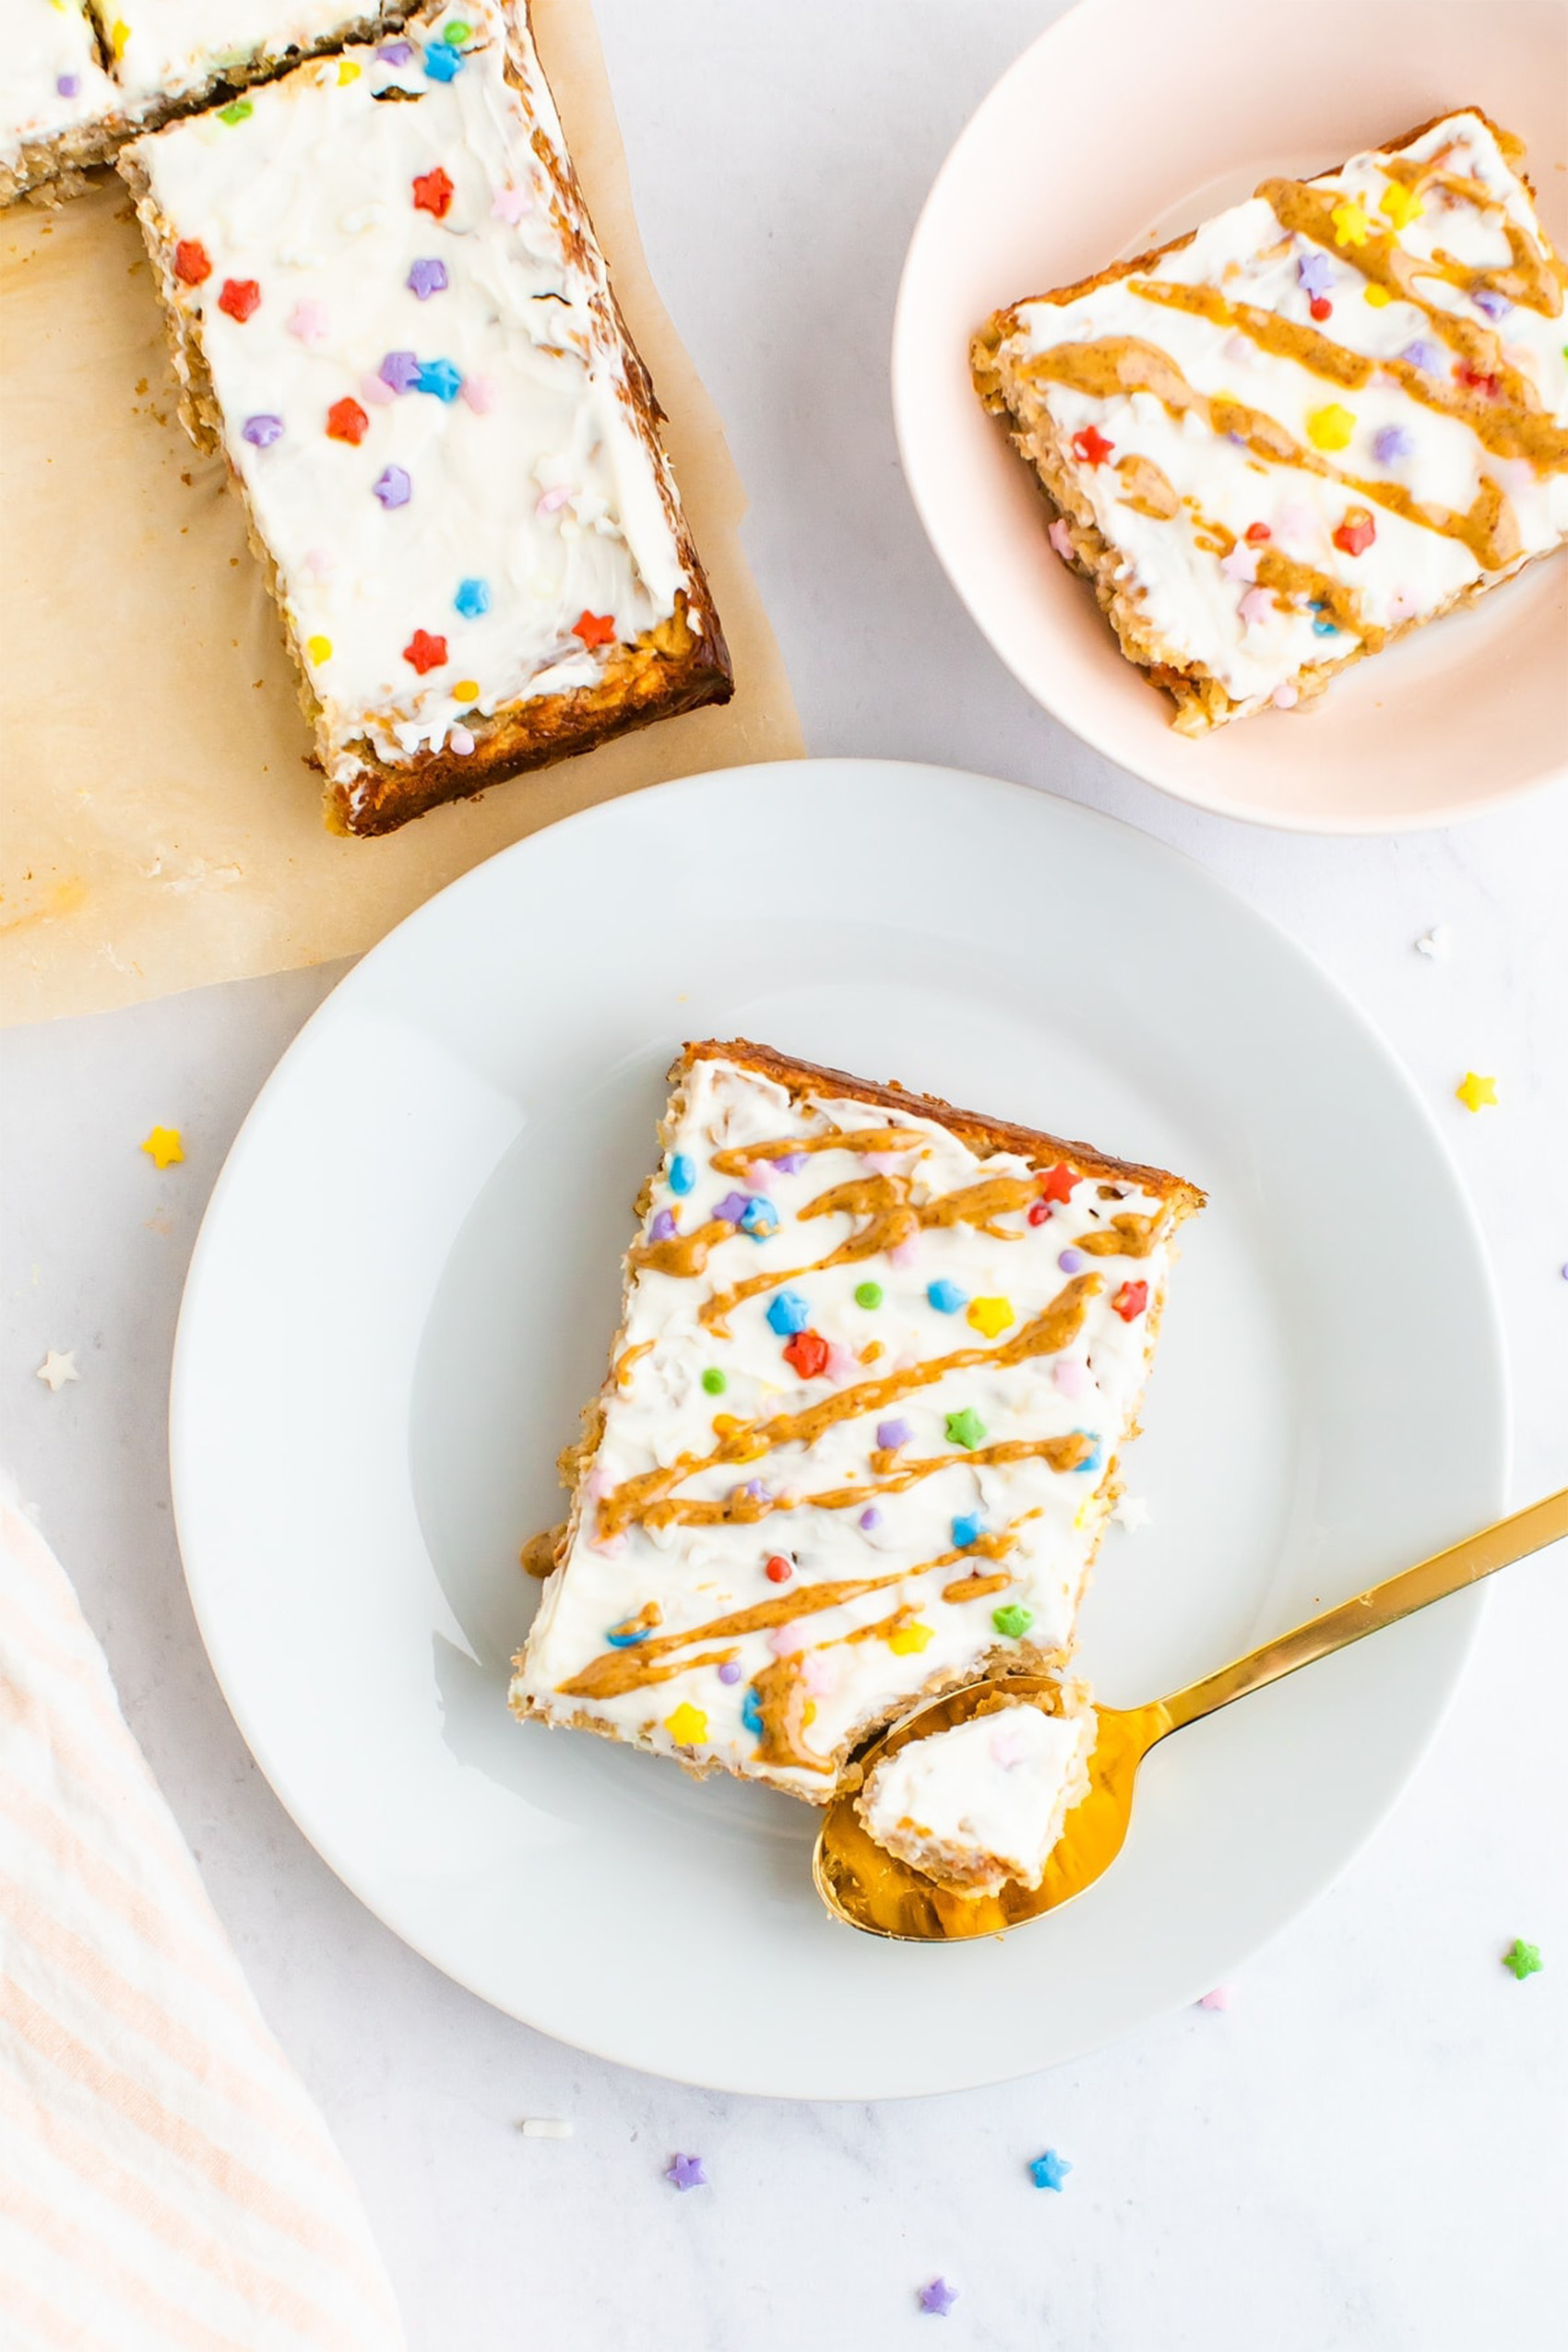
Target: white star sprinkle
(1131,1511)
(1435,944)
(58,1369)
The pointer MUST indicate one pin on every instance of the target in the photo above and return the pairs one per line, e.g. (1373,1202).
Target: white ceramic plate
(406,1284)
(1127,123)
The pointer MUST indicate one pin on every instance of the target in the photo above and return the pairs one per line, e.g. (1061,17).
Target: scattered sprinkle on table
(1435,944)
(685,2172)
(163,1146)
(1523,1959)
(1221,1998)
(1130,1510)
(544,2127)
(1049,2170)
(1476,1091)
(938,2298)
(58,1368)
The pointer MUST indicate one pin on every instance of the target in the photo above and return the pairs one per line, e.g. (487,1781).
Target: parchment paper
(159,827)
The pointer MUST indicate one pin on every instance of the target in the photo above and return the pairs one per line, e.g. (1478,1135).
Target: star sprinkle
(938,2298)
(1475,1092)
(1495,305)
(1255,608)
(1435,944)
(965,1429)
(683,1168)
(441,64)
(968,1528)
(1221,1998)
(1357,532)
(1058,1183)
(1523,1959)
(426,277)
(1330,428)
(261,432)
(751,1714)
(1242,563)
(891,1435)
(787,1313)
(685,2172)
(759,1218)
(808,1353)
(1091,448)
(240,297)
(1424,354)
(1060,539)
(1130,1510)
(907,1639)
(433,193)
(392,486)
(1392,444)
(990,1316)
(1049,2170)
(192,267)
(1350,223)
(60,1366)
(400,370)
(441,378)
(594,629)
(346,420)
(1399,203)
(688,1726)
(947,1297)
(1014,1621)
(1315,272)
(424,652)
(1130,1300)
(307,322)
(163,1146)
(471,599)
(509,204)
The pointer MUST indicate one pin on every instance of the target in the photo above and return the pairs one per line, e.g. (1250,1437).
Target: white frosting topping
(167,48)
(994,1791)
(505,498)
(901,1498)
(1194,573)
(52,80)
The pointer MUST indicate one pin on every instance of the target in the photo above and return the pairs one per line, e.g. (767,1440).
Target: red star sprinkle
(1356,533)
(433,193)
(240,297)
(425,651)
(808,1352)
(1256,533)
(1092,445)
(1321,307)
(777,1570)
(594,629)
(1131,1300)
(1056,1183)
(346,420)
(191,262)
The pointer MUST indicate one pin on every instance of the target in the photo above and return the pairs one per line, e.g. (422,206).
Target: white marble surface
(1366,2152)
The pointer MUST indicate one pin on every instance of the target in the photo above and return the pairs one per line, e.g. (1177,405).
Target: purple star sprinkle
(400,370)
(871,1517)
(685,2172)
(731,1671)
(664,1226)
(68,84)
(1422,354)
(261,432)
(1070,1261)
(396,52)
(790,1163)
(754,1489)
(1392,444)
(891,1435)
(1316,274)
(939,2298)
(392,487)
(732,1207)
(427,278)
(1494,305)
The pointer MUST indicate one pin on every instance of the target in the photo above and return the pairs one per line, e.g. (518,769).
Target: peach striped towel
(166,2185)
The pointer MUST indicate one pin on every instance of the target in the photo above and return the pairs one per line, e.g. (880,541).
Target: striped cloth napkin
(166,2185)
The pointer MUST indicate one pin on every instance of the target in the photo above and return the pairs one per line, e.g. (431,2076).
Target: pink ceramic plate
(1126,123)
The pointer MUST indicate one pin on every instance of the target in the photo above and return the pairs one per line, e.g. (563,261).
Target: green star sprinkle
(868,1294)
(966,1428)
(714,1381)
(1523,1959)
(240,109)
(1013,1621)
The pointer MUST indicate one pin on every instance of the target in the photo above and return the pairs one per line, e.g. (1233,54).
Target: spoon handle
(1446,1572)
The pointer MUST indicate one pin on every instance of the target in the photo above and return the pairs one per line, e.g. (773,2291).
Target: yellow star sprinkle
(1330,428)
(1401,205)
(906,1639)
(1350,223)
(347,70)
(163,1146)
(1379,296)
(319,649)
(1476,1091)
(119,33)
(688,1726)
(991,1315)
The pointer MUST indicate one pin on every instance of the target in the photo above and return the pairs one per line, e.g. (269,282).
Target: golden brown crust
(972,1127)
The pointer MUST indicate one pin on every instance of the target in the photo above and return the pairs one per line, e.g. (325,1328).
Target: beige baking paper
(160,825)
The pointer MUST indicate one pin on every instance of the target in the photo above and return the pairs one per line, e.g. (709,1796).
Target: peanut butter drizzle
(1146,488)
(1542,272)
(1055,1327)
(782,1701)
(1124,363)
(615,1671)
(628,1358)
(975,1587)
(1309,212)
(1125,1236)
(736,1162)
(1061,1452)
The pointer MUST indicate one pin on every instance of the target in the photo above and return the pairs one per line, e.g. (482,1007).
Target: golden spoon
(871,1890)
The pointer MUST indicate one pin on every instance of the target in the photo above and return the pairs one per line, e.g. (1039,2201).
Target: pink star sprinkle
(903,1254)
(376,391)
(480,394)
(1221,1998)
(842,1362)
(509,205)
(818,1675)
(1060,538)
(1255,608)
(554,500)
(759,1175)
(1242,563)
(308,321)
(1071,1375)
(784,1640)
